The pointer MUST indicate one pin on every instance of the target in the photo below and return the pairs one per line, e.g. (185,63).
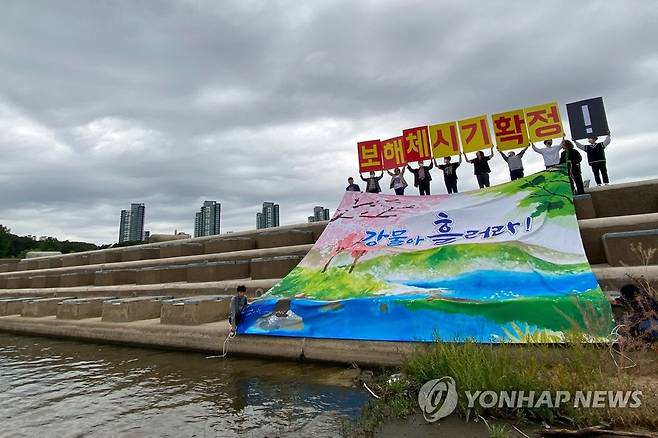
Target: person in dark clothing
(515,163)
(596,158)
(449,173)
(481,167)
(571,157)
(351,187)
(372,182)
(640,313)
(238,303)
(422,177)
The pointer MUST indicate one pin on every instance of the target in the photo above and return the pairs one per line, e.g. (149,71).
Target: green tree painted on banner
(548,192)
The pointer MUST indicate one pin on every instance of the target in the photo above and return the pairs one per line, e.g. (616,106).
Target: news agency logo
(438,398)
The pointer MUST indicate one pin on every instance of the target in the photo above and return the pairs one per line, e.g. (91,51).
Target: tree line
(12,245)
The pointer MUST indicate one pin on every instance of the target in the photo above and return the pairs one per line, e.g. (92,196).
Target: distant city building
(207,220)
(319,214)
(131,225)
(269,217)
(147,234)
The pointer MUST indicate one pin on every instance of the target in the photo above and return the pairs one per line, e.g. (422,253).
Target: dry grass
(629,364)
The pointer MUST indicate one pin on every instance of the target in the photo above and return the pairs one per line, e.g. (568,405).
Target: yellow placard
(510,130)
(474,134)
(544,122)
(444,140)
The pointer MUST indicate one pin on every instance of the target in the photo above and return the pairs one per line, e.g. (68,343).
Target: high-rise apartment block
(207,220)
(319,214)
(131,225)
(269,217)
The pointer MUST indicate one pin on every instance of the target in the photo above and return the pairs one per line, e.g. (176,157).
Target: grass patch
(572,367)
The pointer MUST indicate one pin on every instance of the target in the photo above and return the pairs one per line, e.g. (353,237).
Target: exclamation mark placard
(586,118)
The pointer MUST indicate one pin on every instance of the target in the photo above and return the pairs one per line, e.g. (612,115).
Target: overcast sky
(104,103)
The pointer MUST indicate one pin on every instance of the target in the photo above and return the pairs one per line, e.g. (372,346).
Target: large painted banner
(502,264)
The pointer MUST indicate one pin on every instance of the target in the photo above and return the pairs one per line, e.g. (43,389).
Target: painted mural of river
(53,388)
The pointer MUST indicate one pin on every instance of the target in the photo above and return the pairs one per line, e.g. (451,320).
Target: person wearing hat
(550,153)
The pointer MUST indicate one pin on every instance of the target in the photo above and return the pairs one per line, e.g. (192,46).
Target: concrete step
(180,249)
(254,288)
(584,206)
(81,308)
(228,244)
(255,239)
(592,231)
(277,266)
(612,278)
(197,310)
(133,309)
(639,197)
(631,248)
(223,266)
(41,307)
(8,265)
(12,305)
(209,338)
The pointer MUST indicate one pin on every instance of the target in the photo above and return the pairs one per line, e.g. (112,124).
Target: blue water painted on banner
(363,318)
(499,285)
(387,317)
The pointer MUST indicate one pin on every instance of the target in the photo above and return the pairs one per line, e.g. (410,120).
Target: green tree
(547,192)
(5,242)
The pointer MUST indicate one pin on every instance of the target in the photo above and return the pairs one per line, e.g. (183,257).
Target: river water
(56,388)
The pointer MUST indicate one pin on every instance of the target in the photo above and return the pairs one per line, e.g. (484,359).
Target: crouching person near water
(236,307)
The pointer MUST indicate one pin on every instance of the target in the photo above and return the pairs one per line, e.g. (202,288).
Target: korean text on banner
(393,153)
(503,265)
(444,140)
(510,130)
(370,155)
(544,122)
(416,144)
(474,134)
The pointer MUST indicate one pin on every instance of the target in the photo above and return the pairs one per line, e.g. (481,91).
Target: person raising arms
(481,167)
(397,181)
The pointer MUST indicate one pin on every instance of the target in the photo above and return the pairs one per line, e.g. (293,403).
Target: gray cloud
(171,103)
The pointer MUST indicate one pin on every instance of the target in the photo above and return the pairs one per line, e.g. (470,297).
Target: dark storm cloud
(104,103)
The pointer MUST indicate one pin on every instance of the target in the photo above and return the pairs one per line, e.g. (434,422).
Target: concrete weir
(209,338)
(175,294)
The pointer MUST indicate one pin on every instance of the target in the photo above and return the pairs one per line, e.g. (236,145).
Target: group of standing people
(563,153)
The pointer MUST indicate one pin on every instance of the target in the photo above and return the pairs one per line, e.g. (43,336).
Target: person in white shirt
(596,157)
(550,153)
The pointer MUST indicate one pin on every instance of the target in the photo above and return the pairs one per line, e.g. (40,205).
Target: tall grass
(535,364)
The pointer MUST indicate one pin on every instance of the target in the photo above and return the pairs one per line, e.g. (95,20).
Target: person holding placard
(550,153)
(596,157)
(481,167)
(397,181)
(572,158)
(351,187)
(515,163)
(422,177)
(372,182)
(449,173)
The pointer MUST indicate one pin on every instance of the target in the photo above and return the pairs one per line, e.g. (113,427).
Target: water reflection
(62,388)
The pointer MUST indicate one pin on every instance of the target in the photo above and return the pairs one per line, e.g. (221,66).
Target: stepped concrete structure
(175,294)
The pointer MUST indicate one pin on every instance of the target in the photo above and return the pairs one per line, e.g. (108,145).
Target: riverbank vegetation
(630,364)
